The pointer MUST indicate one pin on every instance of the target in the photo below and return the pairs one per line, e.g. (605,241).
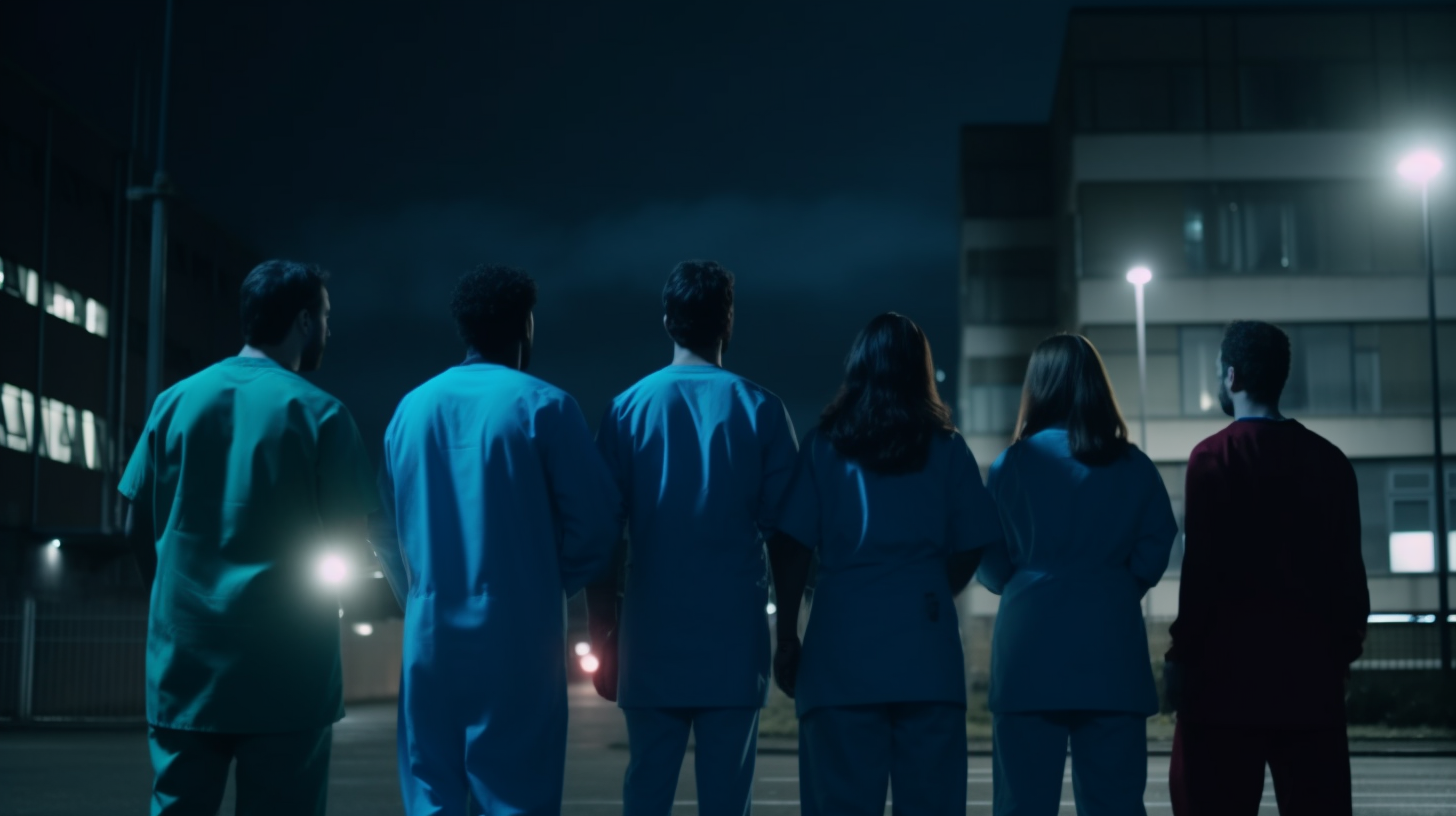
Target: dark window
(1009,286)
(1139,98)
(1295,96)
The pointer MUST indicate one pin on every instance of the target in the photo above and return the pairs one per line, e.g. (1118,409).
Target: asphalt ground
(48,772)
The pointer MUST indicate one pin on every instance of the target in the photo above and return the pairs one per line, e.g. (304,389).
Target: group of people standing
(494,503)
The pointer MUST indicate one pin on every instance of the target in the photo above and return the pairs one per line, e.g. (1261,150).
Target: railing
(73,661)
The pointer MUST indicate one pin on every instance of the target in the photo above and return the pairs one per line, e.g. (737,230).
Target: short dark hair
(698,301)
(1066,382)
(888,410)
(491,303)
(274,293)
(1259,354)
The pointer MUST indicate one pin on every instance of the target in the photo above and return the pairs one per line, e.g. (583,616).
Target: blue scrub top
(702,457)
(246,468)
(883,625)
(1083,545)
(502,508)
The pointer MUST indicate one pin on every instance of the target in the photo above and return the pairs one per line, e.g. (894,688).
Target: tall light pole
(1139,276)
(1420,167)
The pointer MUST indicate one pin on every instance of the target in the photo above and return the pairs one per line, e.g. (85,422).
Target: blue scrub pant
(724,754)
(277,775)
(851,756)
(1109,762)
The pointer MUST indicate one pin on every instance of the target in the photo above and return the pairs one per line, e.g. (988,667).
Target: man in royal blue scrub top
(702,457)
(246,479)
(502,509)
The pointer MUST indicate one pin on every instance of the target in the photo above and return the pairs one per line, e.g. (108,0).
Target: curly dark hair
(491,304)
(1259,355)
(698,302)
(274,293)
(888,410)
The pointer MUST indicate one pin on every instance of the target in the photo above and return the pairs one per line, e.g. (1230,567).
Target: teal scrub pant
(851,757)
(725,751)
(277,775)
(1109,762)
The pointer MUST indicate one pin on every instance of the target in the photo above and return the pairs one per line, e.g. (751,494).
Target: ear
(303,322)
(1231,379)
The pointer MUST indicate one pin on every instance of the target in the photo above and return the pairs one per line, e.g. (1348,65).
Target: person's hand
(605,677)
(786,663)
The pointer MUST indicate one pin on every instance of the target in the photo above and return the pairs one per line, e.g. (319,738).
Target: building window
(1412,518)
(67,434)
(73,307)
(19,281)
(1113,98)
(1302,95)
(17,411)
(1009,286)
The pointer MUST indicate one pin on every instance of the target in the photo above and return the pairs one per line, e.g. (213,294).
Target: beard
(312,356)
(1225,399)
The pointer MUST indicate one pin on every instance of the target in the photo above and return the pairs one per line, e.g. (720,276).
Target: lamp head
(1420,166)
(1139,275)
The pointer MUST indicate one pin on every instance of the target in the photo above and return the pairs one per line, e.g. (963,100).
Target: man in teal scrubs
(248,487)
(702,457)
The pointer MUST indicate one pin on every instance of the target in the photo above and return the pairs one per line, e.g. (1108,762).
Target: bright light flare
(333,570)
(772,608)
(583,649)
(589,663)
(1139,275)
(363,629)
(1420,166)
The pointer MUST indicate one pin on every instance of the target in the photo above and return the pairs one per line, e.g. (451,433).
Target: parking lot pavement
(75,772)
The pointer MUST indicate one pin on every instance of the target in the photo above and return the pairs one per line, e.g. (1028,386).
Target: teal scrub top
(1083,545)
(883,625)
(702,457)
(246,467)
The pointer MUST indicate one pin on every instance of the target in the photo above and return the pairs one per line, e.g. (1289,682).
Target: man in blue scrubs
(246,480)
(503,509)
(702,457)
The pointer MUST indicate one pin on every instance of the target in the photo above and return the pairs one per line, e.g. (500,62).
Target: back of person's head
(274,293)
(1258,352)
(888,411)
(698,304)
(492,306)
(1066,384)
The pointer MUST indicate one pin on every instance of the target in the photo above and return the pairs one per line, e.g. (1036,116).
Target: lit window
(1412,552)
(96,318)
(17,407)
(19,281)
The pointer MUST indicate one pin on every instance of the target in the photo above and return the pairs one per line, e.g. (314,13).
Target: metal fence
(73,661)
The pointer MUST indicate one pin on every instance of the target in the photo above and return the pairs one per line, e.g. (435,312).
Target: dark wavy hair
(698,302)
(274,293)
(1259,354)
(887,411)
(491,304)
(1066,382)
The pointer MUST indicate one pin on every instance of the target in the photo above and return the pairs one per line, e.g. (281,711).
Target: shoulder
(1214,446)
(1328,452)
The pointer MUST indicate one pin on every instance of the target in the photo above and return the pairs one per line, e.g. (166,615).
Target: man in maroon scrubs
(1273,602)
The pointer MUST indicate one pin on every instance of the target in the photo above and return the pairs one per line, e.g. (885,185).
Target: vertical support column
(24,711)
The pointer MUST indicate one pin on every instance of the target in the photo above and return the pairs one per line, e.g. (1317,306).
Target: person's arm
(142,539)
(584,496)
(1352,586)
(1157,531)
(995,567)
(1203,509)
(973,523)
(961,567)
(347,489)
(790,562)
(384,536)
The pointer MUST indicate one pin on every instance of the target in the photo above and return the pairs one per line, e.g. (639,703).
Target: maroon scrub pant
(1218,770)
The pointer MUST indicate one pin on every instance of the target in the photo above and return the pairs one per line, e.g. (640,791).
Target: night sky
(812,149)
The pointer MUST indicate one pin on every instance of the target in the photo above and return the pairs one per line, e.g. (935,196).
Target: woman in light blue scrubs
(890,497)
(1088,531)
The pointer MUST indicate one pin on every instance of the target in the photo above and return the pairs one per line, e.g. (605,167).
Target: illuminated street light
(583,649)
(364,629)
(589,663)
(333,570)
(54,544)
(1421,167)
(772,608)
(1139,276)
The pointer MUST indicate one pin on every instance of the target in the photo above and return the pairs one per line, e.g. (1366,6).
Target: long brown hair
(888,410)
(1066,382)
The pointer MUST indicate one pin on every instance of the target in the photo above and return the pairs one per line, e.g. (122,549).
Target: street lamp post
(1138,276)
(1420,167)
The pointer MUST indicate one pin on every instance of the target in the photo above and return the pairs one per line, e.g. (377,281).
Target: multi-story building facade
(1247,157)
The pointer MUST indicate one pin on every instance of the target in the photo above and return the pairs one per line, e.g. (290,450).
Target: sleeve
(974,520)
(618,462)
(1352,587)
(583,495)
(1157,531)
(1198,584)
(140,475)
(799,514)
(346,483)
(996,566)
(384,536)
(780,457)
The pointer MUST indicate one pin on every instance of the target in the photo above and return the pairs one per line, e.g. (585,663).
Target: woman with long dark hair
(1088,531)
(891,499)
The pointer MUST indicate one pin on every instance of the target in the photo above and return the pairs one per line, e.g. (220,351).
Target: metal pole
(1443,566)
(1142,343)
(26,702)
(122,326)
(157,305)
(39,424)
